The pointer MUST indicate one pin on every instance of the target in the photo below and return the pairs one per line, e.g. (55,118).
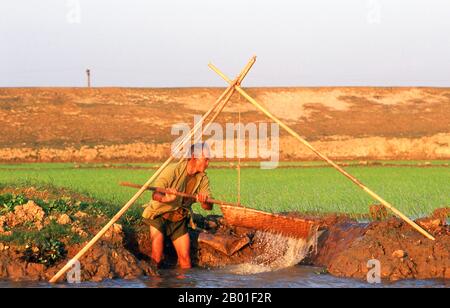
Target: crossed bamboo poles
(234,85)
(329,161)
(218,107)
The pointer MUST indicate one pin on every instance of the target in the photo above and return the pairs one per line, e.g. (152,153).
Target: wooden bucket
(263,221)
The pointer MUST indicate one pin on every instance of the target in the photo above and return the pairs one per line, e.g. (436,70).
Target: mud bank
(103,261)
(403,253)
(342,246)
(37,238)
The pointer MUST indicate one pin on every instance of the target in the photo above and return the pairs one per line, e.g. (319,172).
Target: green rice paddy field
(416,188)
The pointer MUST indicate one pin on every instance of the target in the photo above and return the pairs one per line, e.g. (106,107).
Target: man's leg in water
(182,246)
(157,239)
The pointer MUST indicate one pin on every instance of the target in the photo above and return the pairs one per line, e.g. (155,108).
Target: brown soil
(132,124)
(45,194)
(27,213)
(403,252)
(343,249)
(107,259)
(103,261)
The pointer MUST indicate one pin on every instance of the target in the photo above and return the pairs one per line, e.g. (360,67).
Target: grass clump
(9,201)
(48,252)
(23,235)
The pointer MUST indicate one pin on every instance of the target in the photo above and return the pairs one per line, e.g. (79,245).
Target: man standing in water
(168,214)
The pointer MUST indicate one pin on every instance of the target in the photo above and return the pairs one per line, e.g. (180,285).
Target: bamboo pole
(178,193)
(329,161)
(227,95)
(239,155)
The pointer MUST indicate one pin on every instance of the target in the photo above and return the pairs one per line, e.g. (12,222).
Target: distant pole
(88,72)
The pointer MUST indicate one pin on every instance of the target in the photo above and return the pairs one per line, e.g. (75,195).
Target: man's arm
(165,198)
(204,193)
(163,181)
(201,197)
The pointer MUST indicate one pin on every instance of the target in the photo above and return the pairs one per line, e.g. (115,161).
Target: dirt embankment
(41,230)
(336,147)
(131,124)
(343,248)
(403,253)
(106,260)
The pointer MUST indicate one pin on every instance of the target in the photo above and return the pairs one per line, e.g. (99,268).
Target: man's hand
(170,195)
(202,197)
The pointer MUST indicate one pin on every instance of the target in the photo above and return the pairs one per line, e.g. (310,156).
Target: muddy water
(293,277)
(278,252)
(275,267)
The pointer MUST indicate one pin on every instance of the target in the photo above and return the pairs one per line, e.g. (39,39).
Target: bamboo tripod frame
(219,104)
(329,161)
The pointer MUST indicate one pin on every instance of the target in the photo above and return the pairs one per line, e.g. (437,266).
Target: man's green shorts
(172,229)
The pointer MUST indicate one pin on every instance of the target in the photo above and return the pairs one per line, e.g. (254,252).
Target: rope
(239,156)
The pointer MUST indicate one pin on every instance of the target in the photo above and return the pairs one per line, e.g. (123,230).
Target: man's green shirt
(175,176)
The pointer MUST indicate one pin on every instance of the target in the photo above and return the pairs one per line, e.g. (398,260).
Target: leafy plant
(58,205)
(9,201)
(47,252)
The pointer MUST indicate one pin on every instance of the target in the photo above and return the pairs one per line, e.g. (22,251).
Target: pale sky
(168,43)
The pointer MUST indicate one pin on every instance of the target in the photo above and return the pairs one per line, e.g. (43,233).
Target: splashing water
(278,251)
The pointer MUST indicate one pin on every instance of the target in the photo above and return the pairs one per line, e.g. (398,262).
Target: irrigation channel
(292,277)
